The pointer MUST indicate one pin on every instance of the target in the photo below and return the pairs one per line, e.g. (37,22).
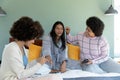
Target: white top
(12,67)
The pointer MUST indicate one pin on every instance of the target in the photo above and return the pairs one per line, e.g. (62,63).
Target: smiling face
(59,30)
(89,32)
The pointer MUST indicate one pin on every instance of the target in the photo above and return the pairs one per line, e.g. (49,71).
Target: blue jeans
(92,68)
(108,66)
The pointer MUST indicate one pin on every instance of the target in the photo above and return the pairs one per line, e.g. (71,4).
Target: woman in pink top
(94,48)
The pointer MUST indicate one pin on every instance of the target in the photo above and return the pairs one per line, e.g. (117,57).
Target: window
(117,29)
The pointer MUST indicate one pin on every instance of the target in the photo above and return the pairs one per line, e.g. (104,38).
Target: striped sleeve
(104,48)
(72,39)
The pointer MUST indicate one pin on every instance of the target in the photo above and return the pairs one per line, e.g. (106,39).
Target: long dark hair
(54,36)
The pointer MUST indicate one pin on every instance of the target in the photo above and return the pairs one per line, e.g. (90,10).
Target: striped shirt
(95,49)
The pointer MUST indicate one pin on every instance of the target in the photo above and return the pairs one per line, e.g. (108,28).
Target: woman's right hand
(49,59)
(67,30)
(42,60)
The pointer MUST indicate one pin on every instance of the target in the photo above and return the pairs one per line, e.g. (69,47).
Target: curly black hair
(26,29)
(96,25)
(54,36)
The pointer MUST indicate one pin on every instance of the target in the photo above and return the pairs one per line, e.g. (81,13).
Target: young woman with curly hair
(94,48)
(14,57)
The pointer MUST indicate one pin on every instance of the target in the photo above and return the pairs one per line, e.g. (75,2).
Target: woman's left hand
(89,62)
(63,67)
